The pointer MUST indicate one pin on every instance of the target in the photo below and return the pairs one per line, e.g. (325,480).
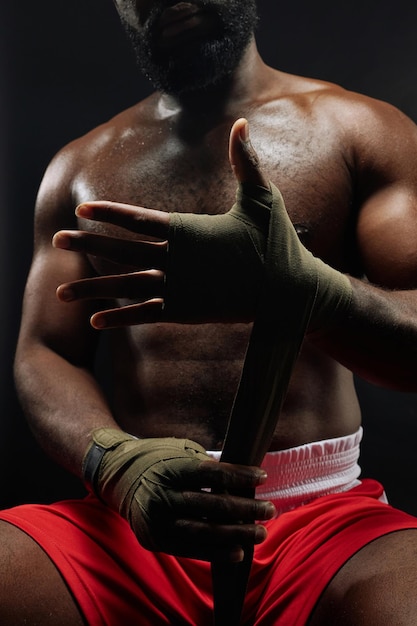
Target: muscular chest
(170,172)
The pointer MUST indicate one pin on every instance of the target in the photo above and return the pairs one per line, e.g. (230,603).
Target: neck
(247,84)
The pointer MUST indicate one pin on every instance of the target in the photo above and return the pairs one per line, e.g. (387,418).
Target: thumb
(242,156)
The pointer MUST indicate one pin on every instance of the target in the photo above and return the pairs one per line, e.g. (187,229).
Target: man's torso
(181,379)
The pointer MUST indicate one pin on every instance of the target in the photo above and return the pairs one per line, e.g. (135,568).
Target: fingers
(242,156)
(225,508)
(141,255)
(136,219)
(208,525)
(229,477)
(145,313)
(145,286)
(211,527)
(136,285)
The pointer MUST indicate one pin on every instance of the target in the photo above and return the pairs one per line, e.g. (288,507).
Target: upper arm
(387,220)
(62,327)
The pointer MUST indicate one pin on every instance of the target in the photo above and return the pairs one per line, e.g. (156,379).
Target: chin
(197,70)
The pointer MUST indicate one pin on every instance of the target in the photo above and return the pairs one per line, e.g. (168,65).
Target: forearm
(63,404)
(377,337)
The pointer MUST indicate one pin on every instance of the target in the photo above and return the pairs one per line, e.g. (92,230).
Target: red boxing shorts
(115,581)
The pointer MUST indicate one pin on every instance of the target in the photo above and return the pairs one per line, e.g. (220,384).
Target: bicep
(62,327)
(387,237)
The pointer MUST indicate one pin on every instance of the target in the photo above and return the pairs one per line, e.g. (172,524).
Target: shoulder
(344,115)
(325,122)
(349,108)
(77,154)
(366,127)
(358,116)
(70,166)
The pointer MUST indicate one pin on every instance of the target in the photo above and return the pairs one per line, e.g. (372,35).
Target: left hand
(146,284)
(176,499)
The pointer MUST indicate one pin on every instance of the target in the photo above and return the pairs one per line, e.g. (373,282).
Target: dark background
(65,66)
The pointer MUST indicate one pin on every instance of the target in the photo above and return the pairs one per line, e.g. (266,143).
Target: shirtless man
(345,165)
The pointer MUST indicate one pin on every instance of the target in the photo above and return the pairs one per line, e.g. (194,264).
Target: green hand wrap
(142,479)
(216,264)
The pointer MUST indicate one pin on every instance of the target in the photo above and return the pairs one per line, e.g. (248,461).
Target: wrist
(103,440)
(91,465)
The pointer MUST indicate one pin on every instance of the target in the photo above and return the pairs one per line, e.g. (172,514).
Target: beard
(201,62)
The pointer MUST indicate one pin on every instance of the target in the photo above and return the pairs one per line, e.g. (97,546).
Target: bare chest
(168,369)
(170,173)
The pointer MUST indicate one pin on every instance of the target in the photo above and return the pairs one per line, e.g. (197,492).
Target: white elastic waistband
(298,475)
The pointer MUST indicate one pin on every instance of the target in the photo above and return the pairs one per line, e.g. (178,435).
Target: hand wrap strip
(217,265)
(136,477)
(299,292)
(298,289)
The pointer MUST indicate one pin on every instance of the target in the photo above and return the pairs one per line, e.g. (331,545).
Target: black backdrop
(65,66)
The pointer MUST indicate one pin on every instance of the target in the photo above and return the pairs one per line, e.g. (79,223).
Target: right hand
(215,268)
(161,487)
(206,268)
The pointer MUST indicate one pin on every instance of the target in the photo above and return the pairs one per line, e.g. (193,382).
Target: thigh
(32,590)
(376,587)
